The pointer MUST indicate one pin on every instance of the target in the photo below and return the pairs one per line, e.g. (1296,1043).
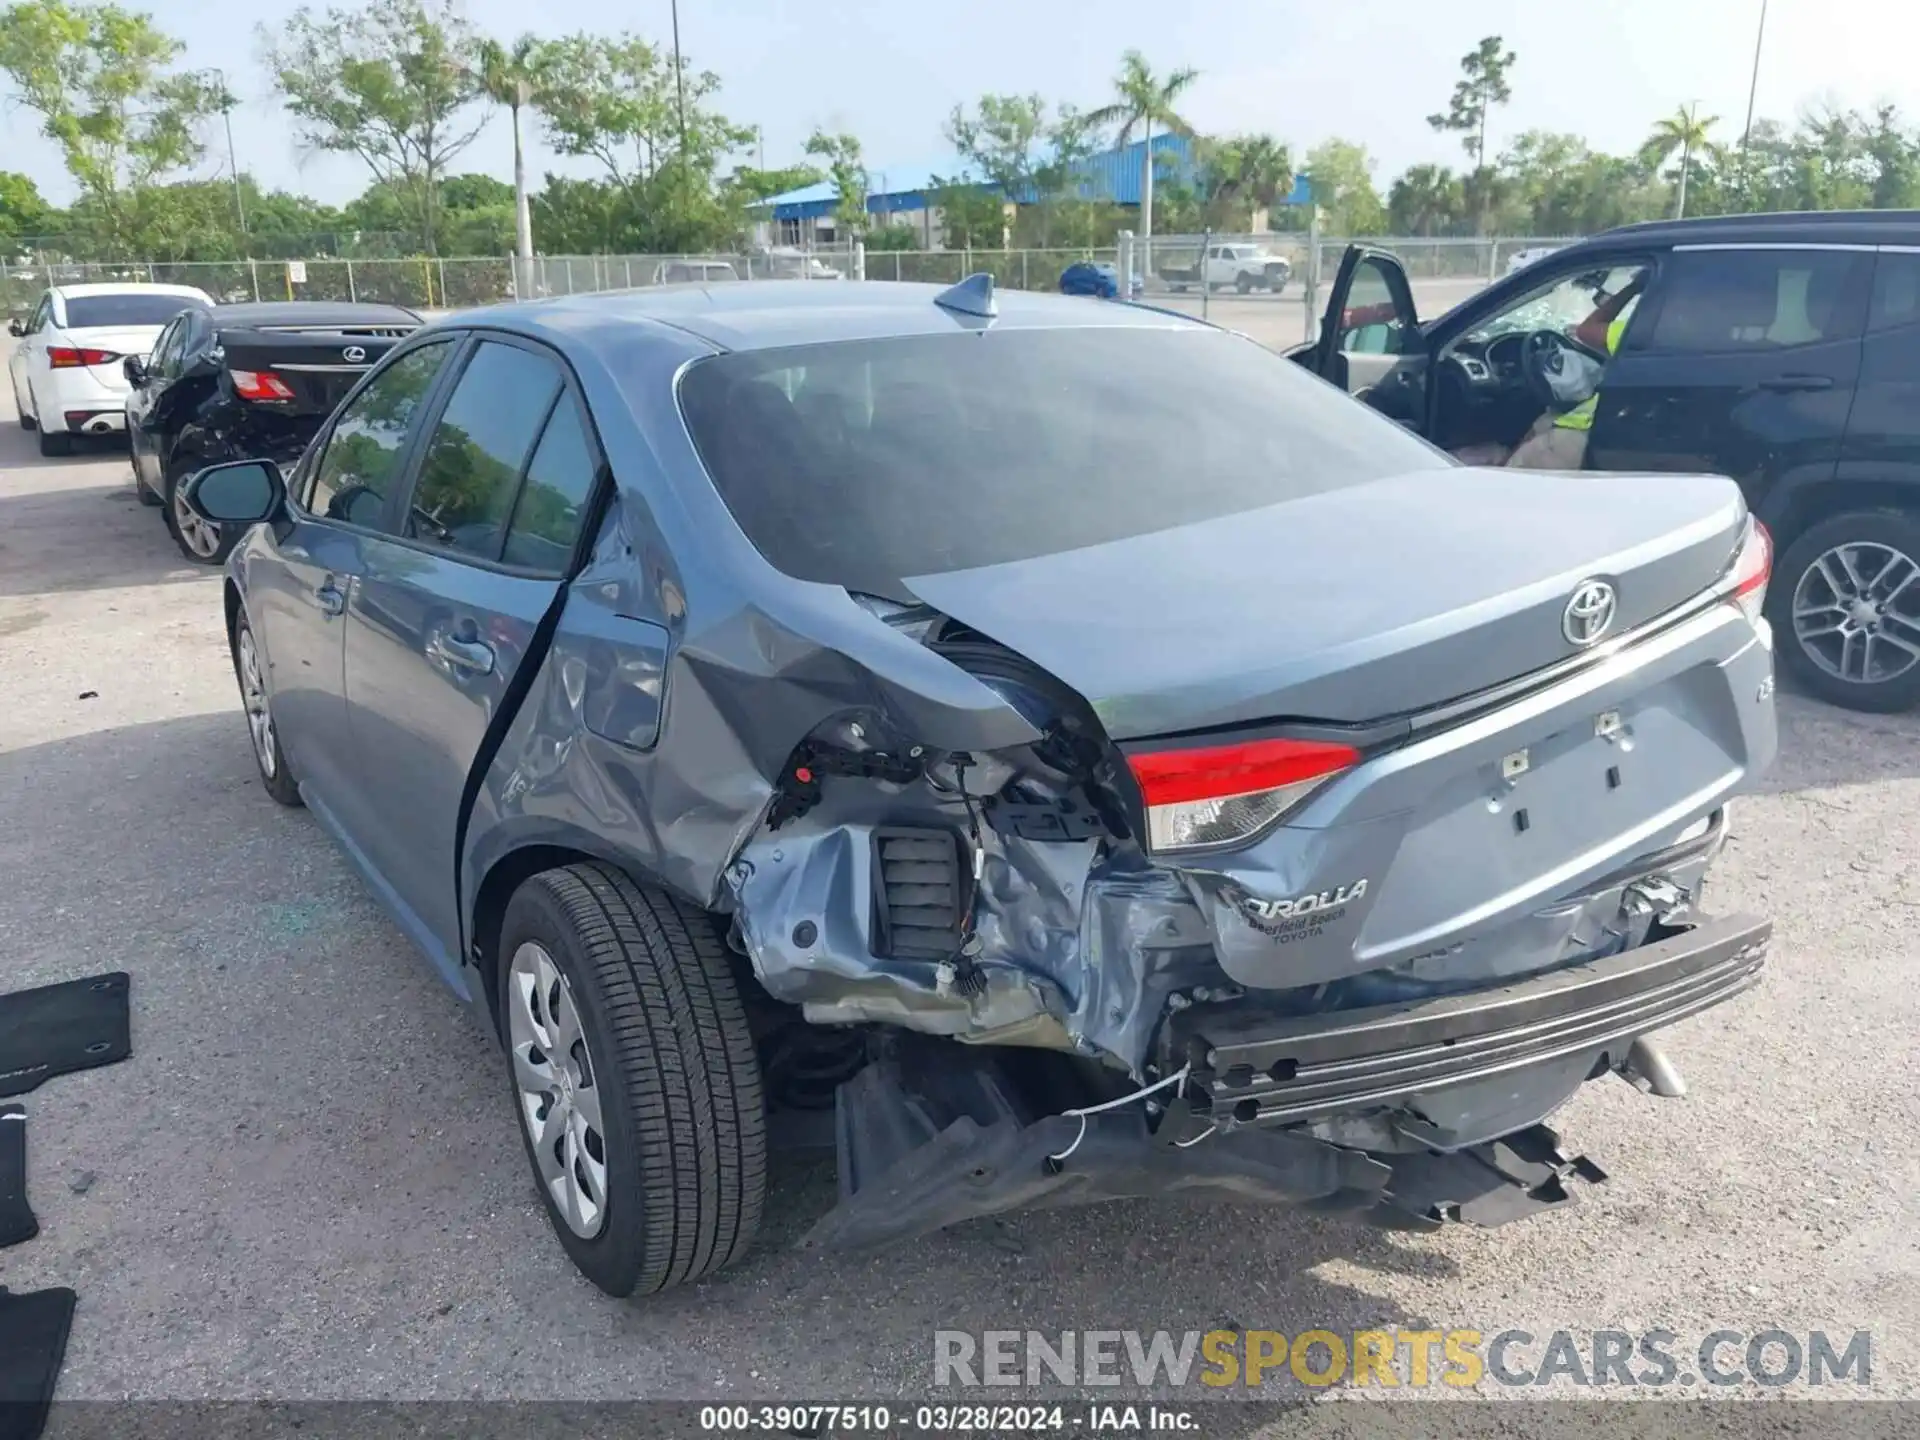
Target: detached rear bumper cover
(1304,1068)
(919,1152)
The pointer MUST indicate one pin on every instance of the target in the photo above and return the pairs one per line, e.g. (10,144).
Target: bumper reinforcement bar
(1270,1069)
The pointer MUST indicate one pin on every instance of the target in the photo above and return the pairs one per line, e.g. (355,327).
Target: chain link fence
(1180,270)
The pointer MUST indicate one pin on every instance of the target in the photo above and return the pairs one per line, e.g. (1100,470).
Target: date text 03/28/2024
(808,1420)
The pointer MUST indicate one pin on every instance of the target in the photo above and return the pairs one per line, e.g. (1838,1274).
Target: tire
(200,542)
(55,444)
(1879,548)
(668,1059)
(27,422)
(269,756)
(1243,282)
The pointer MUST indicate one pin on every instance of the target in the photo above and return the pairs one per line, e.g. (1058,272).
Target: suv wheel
(268,757)
(635,1078)
(1845,607)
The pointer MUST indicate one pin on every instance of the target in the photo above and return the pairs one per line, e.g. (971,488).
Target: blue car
(990,718)
(1091,277)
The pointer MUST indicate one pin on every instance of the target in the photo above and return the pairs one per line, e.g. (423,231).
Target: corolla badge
(353,354)
(1589,614)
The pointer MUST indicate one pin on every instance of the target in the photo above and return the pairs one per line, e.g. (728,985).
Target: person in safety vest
(1559,442)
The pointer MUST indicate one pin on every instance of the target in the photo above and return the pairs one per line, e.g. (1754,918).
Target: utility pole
(679,82)
(1753,90)
(233,165)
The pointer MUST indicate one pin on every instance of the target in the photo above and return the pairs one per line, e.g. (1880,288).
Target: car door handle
(471,655)
(329,599)
(1798,382)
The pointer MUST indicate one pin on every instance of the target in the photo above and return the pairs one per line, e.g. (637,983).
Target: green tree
(99,78)
(749,186)
(1426,200)
(1482,85)
(1341,176)
(392,83)
(22,210)
(1238,179)
(1141,101)
(841,155)
(1690,133)
(510,76)
(973,214)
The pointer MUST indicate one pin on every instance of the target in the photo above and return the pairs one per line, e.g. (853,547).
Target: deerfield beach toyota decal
(1303,915)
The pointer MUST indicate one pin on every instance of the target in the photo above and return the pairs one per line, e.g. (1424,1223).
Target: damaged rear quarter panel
(683,669)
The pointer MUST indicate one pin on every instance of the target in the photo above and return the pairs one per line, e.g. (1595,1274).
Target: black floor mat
(17,1220)
(33,1342)
(57,1028)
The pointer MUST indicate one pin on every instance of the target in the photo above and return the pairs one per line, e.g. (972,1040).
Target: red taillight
(259,385)
(1746,581)
(68,357)
(1218,794)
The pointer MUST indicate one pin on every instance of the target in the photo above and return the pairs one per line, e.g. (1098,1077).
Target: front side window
(864,462)
(356,470)
(42,313)
(1721,301)
(471,469)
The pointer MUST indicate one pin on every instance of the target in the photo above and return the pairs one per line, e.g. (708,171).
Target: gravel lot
(306,1182)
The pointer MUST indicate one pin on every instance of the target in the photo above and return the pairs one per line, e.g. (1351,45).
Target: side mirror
(135,369)
(240,492)
(16,326)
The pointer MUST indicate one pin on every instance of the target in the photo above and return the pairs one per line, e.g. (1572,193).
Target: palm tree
(1686,130)
(1425,200)
(1144,100)
(509,76)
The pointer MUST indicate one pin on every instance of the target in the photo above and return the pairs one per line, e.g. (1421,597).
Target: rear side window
(547,516)
(861,463)
(1728,301)
(357,468)
(1896,291)
(474,457)
(86,312)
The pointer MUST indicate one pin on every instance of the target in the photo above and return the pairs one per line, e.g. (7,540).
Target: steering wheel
(1543,364)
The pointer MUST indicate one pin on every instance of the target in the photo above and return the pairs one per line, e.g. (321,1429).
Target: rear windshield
(86,312)
(860,463)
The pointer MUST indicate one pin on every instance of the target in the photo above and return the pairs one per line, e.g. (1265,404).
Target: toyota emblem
(1589,614)
(353,354)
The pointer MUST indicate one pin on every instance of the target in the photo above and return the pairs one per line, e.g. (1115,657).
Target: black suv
(1783,350)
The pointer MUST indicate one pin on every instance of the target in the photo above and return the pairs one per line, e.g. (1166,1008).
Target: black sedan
(250,381)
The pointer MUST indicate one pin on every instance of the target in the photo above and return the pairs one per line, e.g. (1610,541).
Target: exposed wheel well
(1814,503)
(508,874)
(230,597)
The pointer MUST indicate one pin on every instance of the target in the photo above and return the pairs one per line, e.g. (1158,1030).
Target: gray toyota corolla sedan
(1070,749)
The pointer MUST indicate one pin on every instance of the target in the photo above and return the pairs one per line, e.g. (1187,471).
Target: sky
(890,71)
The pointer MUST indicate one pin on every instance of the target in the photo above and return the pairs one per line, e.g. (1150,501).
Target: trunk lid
(119,340)
(319,366)
(1351,605)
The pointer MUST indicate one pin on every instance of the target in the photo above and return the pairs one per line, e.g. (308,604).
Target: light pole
(1753,89)
(233,165)
(679,82)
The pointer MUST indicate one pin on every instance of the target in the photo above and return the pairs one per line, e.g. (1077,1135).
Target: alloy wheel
(1856,612)
(253,696)
(198,535)
(559,1090)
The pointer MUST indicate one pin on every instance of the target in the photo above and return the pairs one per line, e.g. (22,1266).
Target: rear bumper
(1283,1070)
(930,1141)
(80,391)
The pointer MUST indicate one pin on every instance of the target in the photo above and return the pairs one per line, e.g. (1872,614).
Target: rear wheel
(201,541)
(1243,283)
(55,443)
(635,1078)
(1845,608)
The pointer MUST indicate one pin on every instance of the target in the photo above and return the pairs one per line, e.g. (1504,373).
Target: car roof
(311,312)
(762,314)
(130,287)
(1809,227)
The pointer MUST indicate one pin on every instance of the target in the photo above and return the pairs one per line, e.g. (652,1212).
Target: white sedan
(67,369)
